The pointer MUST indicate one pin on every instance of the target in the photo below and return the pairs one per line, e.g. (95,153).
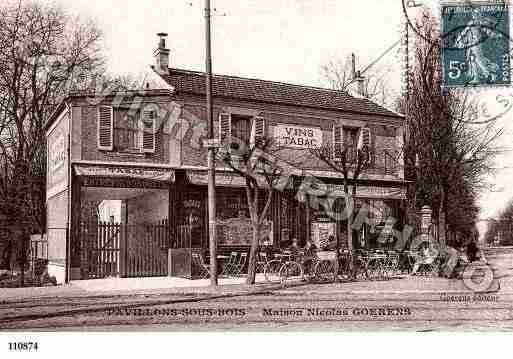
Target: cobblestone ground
(406,303)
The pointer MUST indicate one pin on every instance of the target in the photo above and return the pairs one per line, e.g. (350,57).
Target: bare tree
(43,53)
(350,162)
(340,74)
(453,153)
(264,174)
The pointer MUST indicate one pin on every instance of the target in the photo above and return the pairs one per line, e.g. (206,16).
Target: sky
(279,40)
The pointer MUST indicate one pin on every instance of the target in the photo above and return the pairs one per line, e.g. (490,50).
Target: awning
(143,173)
(229,179)
(226,179)
(372,192)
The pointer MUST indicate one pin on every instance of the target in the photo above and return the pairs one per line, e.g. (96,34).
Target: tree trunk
(22,278)
(350,233)
(441,219)
(253,255)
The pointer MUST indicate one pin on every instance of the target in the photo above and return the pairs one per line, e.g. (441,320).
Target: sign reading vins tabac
(298,136)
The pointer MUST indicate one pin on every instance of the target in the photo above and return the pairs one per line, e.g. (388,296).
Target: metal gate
(100,249)
(147,248)
(114,249)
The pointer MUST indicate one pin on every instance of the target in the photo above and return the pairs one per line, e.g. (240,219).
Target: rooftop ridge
(277,92)
(202,73)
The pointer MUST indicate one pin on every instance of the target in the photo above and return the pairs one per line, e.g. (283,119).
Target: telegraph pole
(211,151)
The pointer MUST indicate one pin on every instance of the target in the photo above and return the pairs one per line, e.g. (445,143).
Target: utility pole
(211,151)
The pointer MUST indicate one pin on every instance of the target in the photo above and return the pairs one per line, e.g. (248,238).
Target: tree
(43,54)
(340,75)
(264,174)
(502,227)
(446,151)
(349,162)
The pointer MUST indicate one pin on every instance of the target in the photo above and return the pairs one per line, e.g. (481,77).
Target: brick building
(142,151)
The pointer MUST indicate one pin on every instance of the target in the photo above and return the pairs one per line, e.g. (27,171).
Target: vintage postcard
(223,165)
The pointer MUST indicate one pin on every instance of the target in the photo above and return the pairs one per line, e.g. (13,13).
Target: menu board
(239,231)
(233,223)
(321,231)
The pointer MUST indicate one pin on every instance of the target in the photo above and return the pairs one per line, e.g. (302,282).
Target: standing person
(309,253)
(472,251)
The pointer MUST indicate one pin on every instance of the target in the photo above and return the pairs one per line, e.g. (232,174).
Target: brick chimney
(360,80)
(162,55)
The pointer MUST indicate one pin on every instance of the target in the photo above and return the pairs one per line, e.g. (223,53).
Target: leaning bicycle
(272,268)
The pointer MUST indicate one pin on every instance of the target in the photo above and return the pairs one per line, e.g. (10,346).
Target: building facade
(142,152)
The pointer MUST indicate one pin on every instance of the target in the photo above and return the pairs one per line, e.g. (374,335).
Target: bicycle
(273,267)
(324,268)
(288,268)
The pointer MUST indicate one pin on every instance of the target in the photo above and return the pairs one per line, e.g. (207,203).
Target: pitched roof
(193,82)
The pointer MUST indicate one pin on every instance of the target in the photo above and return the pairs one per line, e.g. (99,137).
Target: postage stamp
(476,43)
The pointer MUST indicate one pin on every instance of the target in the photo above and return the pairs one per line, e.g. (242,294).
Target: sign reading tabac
(298,136)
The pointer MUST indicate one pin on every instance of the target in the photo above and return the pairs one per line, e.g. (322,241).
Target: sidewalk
(401,285)
(133,286)
(181,287)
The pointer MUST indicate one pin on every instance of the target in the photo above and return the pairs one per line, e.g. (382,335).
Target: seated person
(425,257)
(332,243)
(294,248)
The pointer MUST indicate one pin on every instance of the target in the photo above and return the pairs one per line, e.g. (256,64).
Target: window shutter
(148,131)
(105,128)
(338,142)
(258,130)
(366,137)
(225,126)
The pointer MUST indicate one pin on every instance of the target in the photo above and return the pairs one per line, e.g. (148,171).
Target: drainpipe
(67,260)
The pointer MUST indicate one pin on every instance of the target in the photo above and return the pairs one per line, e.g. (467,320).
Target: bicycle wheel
(272,271)
(325,271)
(291,272)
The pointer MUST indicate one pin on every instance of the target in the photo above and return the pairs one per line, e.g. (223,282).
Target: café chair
(230,265)
(239,266)
(199,267)
(261,261)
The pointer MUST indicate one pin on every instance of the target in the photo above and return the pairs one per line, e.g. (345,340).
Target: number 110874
(23,346)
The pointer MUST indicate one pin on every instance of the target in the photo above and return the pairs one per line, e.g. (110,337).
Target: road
(407,303)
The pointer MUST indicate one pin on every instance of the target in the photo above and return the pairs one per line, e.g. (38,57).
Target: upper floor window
(127,133)
(241,127)
(349,139)
(245,129)
(120,131)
